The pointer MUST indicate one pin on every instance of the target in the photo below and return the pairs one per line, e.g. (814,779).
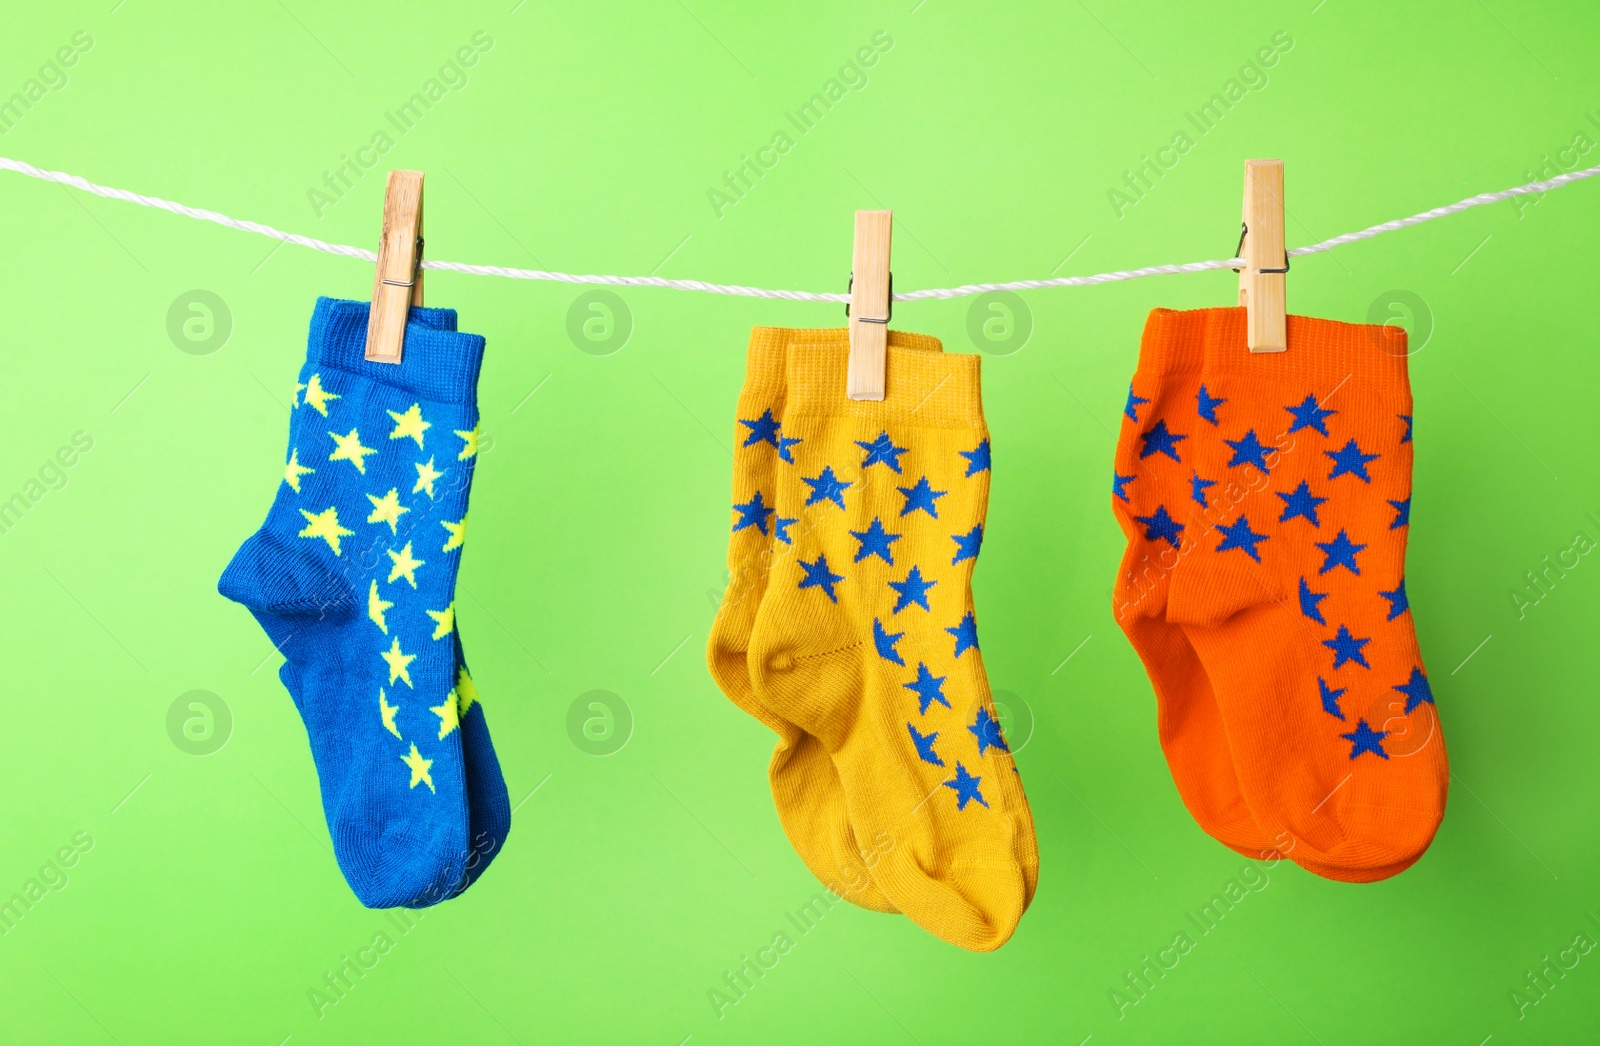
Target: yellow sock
(866,638)
(805,786)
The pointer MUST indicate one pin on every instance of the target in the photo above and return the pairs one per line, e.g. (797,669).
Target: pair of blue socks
(353,577)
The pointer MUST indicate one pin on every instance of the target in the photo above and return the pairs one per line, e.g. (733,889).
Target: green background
(586,140)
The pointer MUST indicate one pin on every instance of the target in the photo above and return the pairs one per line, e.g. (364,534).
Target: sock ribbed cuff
(769,346)
(439,364)
(923,388)
(1321,354)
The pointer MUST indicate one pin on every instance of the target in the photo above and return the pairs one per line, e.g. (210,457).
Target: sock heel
(819,693)
(270,576)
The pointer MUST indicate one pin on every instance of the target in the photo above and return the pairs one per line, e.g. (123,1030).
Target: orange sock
(1271,494)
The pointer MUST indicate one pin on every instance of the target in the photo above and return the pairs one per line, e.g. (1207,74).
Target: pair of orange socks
(1266,499)
(848,629)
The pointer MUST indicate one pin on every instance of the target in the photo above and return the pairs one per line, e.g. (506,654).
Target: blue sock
(361,547)
(488,804)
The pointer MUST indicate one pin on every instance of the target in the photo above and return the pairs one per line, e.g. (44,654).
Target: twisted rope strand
(937,293)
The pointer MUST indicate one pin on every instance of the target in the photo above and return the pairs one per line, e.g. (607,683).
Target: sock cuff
(440,363)
(438,319)
(935,389)
(765,365)
(1321,353)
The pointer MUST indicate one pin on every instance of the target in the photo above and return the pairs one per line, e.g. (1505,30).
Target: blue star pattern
(1239,535)
(885,640)
(762,430)
(922,496)
(826,487)
(1309,415)
(966,634)
(913,591)
(1402,513)
(1365,739)
(1348,460)
(881,451)
(1248,451)
(1160,527)
(753,513)
(1300,504)
(875,541)
(1330,698)
(928,688)
(1340,552)
(967,544)
(987,730)
(1160,441)
(1310,602)
(1131,411)
(924,745)
(920,589)
(1416,690)
(886,571)
(1398,603)
(819,576)
(1351,453)
(966,787)
(977,459)
(1346,648)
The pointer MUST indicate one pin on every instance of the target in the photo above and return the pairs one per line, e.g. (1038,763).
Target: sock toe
(1359,796)
(976,906)
(392,863)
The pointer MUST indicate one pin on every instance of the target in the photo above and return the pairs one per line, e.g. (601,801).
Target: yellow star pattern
(295,399)
(351,450)
(426,474)
(325,525)
(409,423)
(443,620)
(419,768)
(404,565)
(376,605)
(470,439)
(387,509)
(388,711)
(399,664)
(466,692)
(317,396)
(294,470)
(458,533)
(447,715)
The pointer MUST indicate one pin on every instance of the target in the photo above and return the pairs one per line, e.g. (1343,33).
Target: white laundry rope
(759,292)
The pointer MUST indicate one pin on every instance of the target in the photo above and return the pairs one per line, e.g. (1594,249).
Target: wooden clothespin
(398,285)
(1261,245)
(871,306)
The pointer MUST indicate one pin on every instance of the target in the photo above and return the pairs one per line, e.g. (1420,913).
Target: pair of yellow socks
(848,629)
